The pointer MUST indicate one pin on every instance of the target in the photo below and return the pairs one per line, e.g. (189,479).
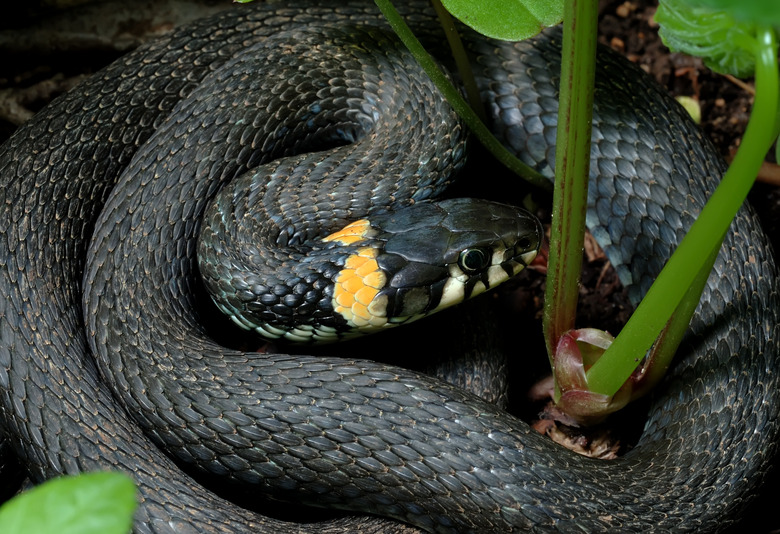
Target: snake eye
(473,260)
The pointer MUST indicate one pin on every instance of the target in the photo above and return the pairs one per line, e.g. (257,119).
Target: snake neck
(262,281)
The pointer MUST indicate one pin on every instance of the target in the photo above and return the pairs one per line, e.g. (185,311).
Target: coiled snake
(348,434)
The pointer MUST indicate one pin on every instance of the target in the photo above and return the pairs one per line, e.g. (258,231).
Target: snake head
(377,272)
(427,257)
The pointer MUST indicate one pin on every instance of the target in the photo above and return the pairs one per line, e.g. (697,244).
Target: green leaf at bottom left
(92,503)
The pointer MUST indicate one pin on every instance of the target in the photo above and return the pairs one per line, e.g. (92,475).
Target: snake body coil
(350,434)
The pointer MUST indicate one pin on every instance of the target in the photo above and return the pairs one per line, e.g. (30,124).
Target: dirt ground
(626,26)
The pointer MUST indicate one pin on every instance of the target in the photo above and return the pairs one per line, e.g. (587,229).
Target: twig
(741,84)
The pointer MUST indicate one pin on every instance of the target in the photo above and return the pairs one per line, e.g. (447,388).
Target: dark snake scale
(349,434)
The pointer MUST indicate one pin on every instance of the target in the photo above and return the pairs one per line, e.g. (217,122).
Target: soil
(626,26)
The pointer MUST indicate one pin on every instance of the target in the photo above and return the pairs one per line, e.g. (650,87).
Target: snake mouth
(504,265)
(520,262)
(526,249)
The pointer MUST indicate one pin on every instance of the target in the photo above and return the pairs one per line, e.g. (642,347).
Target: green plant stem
(662,353)
(461,60)
(704,237)
(461,107)
(572,164)
(776,133)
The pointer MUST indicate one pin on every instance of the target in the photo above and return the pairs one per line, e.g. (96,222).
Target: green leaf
(510,20)
(725,45)
(753,11)
(92,503)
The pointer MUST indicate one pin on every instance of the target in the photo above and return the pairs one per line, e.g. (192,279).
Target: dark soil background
(32,74)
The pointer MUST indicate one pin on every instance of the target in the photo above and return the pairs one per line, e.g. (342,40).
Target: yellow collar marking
(351,233)
(357,285)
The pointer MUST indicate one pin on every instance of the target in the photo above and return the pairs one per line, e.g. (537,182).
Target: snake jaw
(505,263)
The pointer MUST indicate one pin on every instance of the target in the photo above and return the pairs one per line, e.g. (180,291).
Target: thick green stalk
(608,374)
(572,163)
(461,107)
(661,355)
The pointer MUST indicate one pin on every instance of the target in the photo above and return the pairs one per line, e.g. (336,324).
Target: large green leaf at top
(510,20)
(93,503)
(725,44)
(755,11)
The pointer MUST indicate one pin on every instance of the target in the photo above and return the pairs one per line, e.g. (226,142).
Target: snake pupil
(473,260)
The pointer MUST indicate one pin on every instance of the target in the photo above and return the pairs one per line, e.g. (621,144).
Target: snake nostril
(524,243)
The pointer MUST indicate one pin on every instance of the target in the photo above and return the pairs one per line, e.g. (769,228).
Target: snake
(104,364)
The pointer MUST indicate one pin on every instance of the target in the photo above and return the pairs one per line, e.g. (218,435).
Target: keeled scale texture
(363,435)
